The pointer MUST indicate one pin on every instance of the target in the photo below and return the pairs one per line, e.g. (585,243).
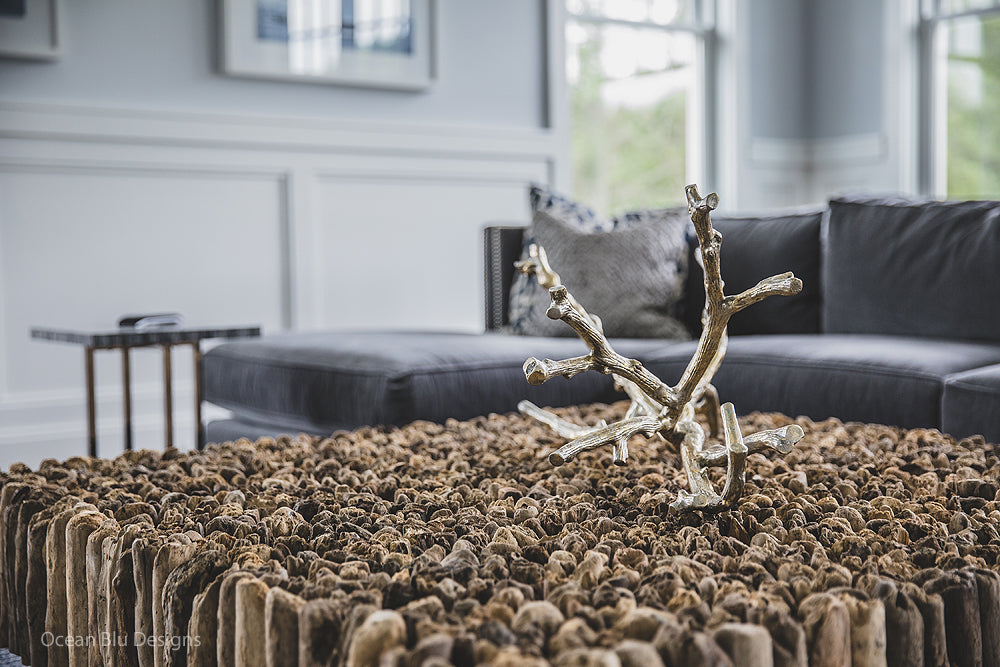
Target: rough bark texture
(36,586)
(170,555)
(122,596)
(97,592)
(204,627)
(251,633)
(78,531)
(281,620)
(144,550)
(227,617)
(465,532)
(184,583)
(55,570)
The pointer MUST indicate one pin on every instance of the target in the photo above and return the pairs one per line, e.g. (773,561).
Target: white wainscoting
(230,220)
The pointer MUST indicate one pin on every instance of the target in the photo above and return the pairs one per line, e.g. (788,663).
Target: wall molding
(824,152)
(57,122)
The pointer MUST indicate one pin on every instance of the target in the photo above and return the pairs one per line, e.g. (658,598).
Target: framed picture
(30,29)
(373,43)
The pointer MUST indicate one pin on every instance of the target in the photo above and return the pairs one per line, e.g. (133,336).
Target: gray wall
(162,54)
(816,67)
(818,100)
(844,90)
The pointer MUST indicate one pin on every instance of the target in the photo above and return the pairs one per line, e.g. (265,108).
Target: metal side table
(125,339)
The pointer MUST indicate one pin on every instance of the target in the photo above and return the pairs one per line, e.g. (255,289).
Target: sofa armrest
(502,247)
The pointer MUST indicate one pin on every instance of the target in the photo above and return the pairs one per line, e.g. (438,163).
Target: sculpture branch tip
(785,284)
(697,203)
(535,371)
(538,371)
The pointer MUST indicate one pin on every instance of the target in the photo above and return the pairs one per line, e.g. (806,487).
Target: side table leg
(168,398)
(91,402)
(127,397)
(199,432)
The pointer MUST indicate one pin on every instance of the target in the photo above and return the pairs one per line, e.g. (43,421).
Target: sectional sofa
(898,323)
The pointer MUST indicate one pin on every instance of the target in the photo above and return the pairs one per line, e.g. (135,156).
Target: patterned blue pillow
(630,270)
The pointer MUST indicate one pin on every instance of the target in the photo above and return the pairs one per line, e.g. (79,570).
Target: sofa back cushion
(892,266)
(754,248)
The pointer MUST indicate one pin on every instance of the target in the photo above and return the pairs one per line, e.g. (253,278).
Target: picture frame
(31,29)
(367,43)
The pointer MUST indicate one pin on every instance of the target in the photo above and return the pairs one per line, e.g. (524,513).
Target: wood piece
(904,626)
(78,531)
(932,610)
(5,501)
(828,630)
(788,638)
(122,597)
(28,508)
(281,620)
(381,631)
(203,627)
(251,634)
(320,623)
(961,618)
(868,640)
(56,621)
(13,494)
(170,556)
(144,552)
(748,645)
(988,588)
(184,583)
(97,592)
(227,616)
(36,586)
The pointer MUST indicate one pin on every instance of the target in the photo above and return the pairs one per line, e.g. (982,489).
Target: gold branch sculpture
(657,408)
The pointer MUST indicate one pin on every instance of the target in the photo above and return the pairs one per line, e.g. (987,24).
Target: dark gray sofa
(898,322)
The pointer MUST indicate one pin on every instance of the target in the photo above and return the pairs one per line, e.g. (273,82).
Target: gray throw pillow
(632,276)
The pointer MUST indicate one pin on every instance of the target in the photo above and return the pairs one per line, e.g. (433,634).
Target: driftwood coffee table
(461,542)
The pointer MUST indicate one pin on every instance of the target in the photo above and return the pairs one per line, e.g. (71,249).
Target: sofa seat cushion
(971,404)
(884,379)
(319,382)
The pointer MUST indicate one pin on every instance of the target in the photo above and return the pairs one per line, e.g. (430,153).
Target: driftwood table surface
(462,543)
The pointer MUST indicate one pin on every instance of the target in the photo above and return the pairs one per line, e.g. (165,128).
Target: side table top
(127,337)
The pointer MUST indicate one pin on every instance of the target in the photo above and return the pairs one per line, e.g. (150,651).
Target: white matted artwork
(373,43)
(30,29)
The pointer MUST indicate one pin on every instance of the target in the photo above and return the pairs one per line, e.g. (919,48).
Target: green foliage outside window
(625,156)
(974,111)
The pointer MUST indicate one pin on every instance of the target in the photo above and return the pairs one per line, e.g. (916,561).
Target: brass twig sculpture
(657,408)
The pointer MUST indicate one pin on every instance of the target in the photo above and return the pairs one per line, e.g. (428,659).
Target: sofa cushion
(886,379)
(757,247)
(630,270)
(917,269)
(971,404)
(227,430)
(319,382)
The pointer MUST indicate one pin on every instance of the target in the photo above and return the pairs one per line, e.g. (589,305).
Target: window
(962,80)
(635,70)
